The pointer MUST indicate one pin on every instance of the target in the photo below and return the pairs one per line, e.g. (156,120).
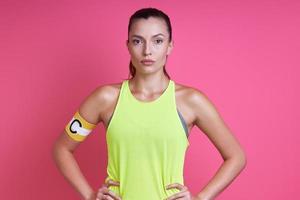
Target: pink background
(242,54)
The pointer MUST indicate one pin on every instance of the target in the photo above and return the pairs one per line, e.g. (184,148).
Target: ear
(170,47)
(127,43)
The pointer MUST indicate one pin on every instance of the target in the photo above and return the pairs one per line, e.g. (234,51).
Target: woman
(148,118)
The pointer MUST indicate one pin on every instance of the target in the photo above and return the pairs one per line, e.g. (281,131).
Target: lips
(147,61)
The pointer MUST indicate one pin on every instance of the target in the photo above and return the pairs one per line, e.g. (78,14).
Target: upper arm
(209,121)
(90,111)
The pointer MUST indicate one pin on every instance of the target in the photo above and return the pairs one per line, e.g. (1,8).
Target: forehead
(148,27)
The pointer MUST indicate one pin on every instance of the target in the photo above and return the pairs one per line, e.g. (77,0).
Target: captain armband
(78,128)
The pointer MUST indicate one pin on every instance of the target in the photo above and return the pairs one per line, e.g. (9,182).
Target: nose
(147,49)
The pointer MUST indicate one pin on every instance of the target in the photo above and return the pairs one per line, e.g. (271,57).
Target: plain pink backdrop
(241,54)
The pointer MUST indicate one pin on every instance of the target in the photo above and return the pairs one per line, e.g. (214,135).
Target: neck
(149,84)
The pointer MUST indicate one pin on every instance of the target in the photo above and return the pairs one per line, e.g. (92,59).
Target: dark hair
(145,13)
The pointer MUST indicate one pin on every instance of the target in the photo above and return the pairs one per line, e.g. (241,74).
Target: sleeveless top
(146,145)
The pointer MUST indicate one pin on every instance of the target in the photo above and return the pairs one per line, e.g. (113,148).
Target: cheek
(162,52)
(135,55)
(135,52)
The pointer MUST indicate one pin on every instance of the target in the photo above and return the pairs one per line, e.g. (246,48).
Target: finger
(103,189)
(105,192)
(104,197)
(99,194)
(177,186)
(179,195)
(102,192)
(107,197)
(113,195)
(110,182)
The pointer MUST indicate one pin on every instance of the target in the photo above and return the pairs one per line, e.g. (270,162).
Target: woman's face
(149,39)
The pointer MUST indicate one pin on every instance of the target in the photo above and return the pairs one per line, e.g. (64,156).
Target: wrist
(91,196)
(201,196)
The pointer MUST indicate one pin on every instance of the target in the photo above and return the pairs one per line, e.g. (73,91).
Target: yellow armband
(78,128)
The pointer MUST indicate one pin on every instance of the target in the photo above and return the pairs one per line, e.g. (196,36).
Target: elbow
(241,159)
(56,150)
(59,149)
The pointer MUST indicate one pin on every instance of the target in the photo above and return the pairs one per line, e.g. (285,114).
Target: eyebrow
(138,36)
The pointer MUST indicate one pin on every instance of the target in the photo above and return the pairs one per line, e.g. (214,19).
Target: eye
(136,41)
(158,41)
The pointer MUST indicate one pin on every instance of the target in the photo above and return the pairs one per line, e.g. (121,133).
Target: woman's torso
(146,143)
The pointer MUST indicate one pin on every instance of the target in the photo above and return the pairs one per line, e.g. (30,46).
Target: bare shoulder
(106,92)
(190,94)
(99,101)
(195,101)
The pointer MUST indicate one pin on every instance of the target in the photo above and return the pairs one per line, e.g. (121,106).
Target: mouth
(147,62)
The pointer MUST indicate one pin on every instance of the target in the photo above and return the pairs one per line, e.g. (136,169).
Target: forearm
(227,172)
(69,168)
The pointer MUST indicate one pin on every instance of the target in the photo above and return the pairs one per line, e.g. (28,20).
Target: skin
(147,85)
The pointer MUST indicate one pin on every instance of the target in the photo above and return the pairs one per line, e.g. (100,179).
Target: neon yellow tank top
(146,145)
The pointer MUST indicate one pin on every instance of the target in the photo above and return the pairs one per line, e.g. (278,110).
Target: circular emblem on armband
(75,125)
